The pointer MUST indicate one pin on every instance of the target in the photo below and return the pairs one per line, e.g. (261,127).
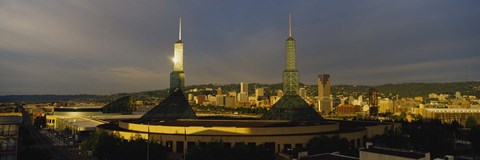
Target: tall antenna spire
(290,25)
(180,30)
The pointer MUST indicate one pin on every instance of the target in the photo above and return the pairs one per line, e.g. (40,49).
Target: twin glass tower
(290,74)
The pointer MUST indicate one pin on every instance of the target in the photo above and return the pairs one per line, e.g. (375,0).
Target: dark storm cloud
(109,46)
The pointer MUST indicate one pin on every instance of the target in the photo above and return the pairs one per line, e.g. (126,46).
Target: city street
(56,148)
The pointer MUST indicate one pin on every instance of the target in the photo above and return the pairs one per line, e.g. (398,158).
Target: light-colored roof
(10,118)
(81,123)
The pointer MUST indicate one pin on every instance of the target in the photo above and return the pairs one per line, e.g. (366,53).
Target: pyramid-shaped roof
(292,108)
(175,106)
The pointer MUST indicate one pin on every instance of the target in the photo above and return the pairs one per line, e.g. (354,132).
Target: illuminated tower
(290,74)
(291,106)
(177,77)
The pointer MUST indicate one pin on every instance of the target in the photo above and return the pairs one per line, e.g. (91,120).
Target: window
(352,144)
(358,143)
(180,147)
(270,146)
(6,157)
(13,130)
(298,146)
(190,145)
(169,146)
(11,145)
(2,128)
(3,145)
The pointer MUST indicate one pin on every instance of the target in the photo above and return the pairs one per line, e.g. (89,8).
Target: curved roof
(292,108)
(173,107)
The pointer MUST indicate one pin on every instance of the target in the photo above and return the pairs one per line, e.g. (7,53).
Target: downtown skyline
(105,47)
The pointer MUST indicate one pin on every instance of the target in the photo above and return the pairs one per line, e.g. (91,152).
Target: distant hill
(386,90)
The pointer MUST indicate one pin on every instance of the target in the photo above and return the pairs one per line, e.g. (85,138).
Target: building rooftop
(175,106)
(79,109)
(330,156)
(236,123)
(11,118)
(395,152)
(80,123)
(292,108)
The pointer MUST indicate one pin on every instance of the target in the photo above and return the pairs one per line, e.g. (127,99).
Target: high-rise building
(243,95)
(229,101)
(325,104)
(290,74)
(219,91)
(279,93)
(259,92)
(373,101)
(200,99)
(323,86)
(302,92)
(220,100)
(177,77)
(244,87)
(385,105)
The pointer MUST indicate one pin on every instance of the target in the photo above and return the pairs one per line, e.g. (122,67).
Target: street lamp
(148,141)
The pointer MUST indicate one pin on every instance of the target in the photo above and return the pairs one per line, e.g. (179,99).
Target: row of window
(270,145)
(7,157)
(8,129)
(7,144)
(50,121)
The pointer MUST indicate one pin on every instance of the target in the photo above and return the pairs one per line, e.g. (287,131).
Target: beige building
(302,92)
(448,115)
(385,105)
(259,92)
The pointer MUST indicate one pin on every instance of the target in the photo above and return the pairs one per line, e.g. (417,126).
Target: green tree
(324,144)
(106,146)
(474,138)
(470,122)
(432,136)
(40,122)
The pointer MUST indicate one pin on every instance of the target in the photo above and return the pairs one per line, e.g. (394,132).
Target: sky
(112,46)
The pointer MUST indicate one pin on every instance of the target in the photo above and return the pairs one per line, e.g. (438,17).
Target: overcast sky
(111,46)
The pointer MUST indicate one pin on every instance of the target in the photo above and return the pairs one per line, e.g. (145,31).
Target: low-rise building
(9,126)
(392,154)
